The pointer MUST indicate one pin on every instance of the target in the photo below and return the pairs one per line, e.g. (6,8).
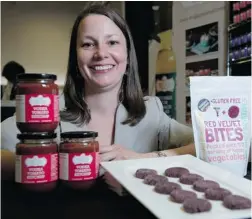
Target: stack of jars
(39,160)
(37,117)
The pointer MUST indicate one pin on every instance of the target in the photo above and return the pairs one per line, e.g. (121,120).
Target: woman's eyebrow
(106,36)
(110,35)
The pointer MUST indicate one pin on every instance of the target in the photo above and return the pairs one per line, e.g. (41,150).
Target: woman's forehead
(99,24)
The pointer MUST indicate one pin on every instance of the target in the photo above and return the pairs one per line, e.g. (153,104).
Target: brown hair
(76,110)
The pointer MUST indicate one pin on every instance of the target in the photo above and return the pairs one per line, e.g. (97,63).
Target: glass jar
(36,165)
(79,159)
(37,103)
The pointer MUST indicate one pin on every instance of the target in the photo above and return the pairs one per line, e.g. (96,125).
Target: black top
(34,76)
(42,135)
(79,134)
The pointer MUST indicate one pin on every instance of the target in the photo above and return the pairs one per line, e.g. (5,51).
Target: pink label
(32,169)
(37,108)
(79,166)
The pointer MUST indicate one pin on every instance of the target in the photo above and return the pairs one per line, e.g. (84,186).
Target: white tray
(160,205)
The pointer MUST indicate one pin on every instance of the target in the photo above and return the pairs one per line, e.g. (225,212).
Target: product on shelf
(36,165)
(243,16)
(243,53)
(249,37)
(236,6)
(249,13)
(238,41)
(79,159)
(243,4)
(236,19)
(244,39)
(237,54)
(37,103)
(249,51)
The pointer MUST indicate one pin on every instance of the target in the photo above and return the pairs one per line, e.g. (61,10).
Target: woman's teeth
(102,67)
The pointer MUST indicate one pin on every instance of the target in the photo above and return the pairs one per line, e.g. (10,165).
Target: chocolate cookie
(236,202)
(166,188)
(190,178)
(180,196)
(203,185)
(142,173)
(176,172)
(196,205)
(153,179)
(216,193)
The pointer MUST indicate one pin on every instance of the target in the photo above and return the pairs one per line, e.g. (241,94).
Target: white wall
(37,34)
(187,18)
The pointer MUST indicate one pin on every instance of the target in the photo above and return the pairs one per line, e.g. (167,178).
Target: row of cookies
(191,203)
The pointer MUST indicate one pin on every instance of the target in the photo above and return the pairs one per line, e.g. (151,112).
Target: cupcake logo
(35,161)
(39,101)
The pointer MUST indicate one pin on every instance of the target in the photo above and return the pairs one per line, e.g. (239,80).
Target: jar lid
(32,76)
(79,134)
(46,135)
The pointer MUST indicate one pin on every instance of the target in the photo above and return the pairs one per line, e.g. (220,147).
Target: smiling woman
(101,52)
(101,57)
(102,93)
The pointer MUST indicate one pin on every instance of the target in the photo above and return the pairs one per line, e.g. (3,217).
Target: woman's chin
(106,85)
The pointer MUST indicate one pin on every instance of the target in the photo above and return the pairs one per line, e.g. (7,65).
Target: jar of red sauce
(36,166)
(78,159)
(37,103)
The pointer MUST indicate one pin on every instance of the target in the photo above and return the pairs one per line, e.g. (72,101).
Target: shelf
(240,61)
(241,24)
(203,57)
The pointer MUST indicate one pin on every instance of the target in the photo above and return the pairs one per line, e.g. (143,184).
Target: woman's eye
(113,42)
(87,45)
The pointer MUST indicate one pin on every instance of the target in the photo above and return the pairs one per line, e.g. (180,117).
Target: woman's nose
(101,52)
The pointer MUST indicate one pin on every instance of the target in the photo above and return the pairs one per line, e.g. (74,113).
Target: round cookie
(203,185)
(216,193)
(236,202)
(196,205)
(176,172)
(180,196)
(153,179)
(143,172)
(166,188)
(190,178)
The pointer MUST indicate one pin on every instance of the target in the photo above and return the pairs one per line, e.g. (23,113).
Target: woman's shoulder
(153,104)
(154,111)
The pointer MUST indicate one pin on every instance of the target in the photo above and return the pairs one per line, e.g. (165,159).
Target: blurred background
(173,40)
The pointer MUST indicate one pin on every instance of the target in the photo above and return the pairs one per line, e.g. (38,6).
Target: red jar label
(79,166)
(37,108)
(32,169)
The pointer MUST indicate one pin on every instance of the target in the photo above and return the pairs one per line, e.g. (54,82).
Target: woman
(102,93)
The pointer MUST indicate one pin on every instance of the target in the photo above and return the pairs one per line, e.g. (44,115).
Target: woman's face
(101,52)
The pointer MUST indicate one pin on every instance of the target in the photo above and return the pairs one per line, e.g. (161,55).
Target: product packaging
(221,119)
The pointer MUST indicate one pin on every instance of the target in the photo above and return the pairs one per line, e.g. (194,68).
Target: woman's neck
(104,103)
